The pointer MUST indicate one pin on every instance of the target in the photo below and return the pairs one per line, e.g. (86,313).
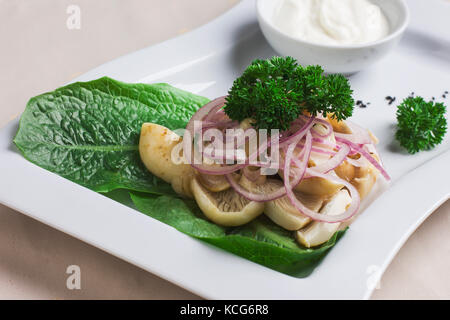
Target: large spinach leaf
(260,241)
(89,132)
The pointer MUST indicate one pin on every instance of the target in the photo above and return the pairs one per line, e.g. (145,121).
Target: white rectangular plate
(206,61)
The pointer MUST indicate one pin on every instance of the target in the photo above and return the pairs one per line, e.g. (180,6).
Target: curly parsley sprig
(421,125)
(277,91)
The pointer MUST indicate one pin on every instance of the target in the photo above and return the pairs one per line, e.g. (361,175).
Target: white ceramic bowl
(345,59)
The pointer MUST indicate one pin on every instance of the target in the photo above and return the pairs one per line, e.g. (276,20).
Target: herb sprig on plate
(421,125)
(277,91)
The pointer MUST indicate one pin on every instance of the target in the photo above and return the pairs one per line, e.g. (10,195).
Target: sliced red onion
(201,113)
(220,124)
(223,170)
(359,135)
(326,124)
(366,155)
(255,196)
(320,150)
(335,161)
(217,116)
(297,136)
(329,143)
(218,105)
(351,210)
(282,190)
(306,153)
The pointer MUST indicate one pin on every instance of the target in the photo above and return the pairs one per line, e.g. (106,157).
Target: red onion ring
(326,124)
(299,134)
(251,175)
(335,161)
(254,196)
(358,136)
(201,113)
(319,150)
(218,105)
(221,124)
(366,155)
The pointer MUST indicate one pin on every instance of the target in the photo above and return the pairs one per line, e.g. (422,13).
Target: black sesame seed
(361,104)
(390,99)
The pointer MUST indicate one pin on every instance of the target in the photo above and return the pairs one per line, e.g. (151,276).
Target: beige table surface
(39,53)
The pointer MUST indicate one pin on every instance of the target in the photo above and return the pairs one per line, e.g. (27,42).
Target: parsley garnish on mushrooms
(421,125)
(277,91)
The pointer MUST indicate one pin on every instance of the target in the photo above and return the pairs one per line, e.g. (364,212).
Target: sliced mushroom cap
(281,210)
(318,233)
(256,185)
(155,148)
(283,213)
(214,183)
(226,208)
(318,186)
(363,178)
(346,171)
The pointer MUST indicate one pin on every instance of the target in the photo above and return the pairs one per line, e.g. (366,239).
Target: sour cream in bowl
(343,36)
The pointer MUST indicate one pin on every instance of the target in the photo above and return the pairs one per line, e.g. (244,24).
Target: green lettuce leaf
(260,241)
(88,132)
